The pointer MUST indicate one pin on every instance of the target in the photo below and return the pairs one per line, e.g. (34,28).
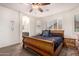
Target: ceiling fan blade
(45,3)
(40,9)
(31,10)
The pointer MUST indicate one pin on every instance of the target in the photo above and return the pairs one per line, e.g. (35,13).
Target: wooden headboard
(61,32)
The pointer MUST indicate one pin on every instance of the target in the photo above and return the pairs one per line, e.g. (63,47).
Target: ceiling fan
(38,6)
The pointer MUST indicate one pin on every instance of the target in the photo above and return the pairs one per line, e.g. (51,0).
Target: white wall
(67,21)
(7,36)
(34,28)
(39,26)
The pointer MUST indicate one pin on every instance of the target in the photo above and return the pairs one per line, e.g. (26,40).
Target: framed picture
(76,23)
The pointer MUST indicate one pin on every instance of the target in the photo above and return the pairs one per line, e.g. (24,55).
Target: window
(76,23)
(54,24)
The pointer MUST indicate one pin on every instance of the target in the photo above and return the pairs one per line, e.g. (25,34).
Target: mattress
(57,40)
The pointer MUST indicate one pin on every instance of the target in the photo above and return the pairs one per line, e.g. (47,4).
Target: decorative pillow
(45,33)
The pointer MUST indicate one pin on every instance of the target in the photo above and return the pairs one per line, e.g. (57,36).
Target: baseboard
(10,45)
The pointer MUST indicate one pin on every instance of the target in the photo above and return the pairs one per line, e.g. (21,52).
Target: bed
(45,45)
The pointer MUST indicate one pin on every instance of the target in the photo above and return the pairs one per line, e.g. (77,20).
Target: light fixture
(35,6)
(38,6)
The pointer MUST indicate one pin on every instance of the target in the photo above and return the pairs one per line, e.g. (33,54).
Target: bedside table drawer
(70,45)
(70,41)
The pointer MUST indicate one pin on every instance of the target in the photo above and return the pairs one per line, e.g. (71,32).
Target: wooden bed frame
(43,47)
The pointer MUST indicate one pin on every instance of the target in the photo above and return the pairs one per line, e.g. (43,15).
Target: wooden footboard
(42,47)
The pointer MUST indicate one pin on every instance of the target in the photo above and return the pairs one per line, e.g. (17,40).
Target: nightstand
(77,44)
(70,42)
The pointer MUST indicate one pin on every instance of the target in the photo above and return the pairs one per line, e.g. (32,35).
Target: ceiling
(48,9)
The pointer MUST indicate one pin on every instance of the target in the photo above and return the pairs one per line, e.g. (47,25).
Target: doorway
(25,25)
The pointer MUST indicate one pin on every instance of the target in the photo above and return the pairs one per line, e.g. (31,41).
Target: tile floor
(17,50)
